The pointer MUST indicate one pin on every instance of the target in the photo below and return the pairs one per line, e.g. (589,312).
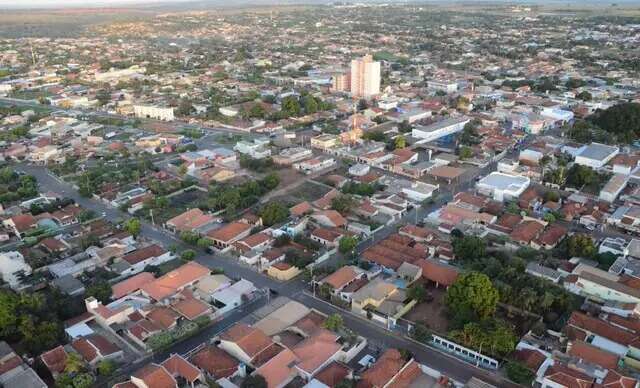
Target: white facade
(365,77)
(503,186)
(153,112)
(596,155)
(443,85)
(440,129)
(419,191)
(11,263)
(614,187)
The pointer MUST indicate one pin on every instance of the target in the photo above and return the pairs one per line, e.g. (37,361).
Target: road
(455,368)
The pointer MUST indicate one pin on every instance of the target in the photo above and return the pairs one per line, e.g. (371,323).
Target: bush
(518,373)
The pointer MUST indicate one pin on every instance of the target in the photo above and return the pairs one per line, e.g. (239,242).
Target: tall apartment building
(365,77)
(342,81)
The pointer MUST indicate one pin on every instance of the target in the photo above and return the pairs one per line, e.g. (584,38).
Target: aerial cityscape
(319,194)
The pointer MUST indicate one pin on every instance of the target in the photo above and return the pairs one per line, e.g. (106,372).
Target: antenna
(33,54)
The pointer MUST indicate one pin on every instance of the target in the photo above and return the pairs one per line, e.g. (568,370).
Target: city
(319,194)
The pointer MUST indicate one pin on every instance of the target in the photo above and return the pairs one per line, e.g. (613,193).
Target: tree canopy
(473,293)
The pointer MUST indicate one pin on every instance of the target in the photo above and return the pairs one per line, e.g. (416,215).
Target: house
(441,274)
(526,232)
(55,360)
(313,165)
(20,224)
(550,237)
(130,285)
(136,261)
(279,370)
(182,370)
(613,187)
(271,257)
(244,342)
(315,352)
(14,373)
(600,285)
(326,237)
(537,270)
(371,295)
(175,281)
(383,370)
(95,348)
(216,363)
(283,271)
(12,267)
(329,218)
(503,186)
(419,191)
(150,376)
(191,220)
(342,277)
(226,235)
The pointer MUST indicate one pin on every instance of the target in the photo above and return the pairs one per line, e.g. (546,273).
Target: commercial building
(439,129)
(365,77)
(596,155)
(153,112)
(442,85)
(503,186)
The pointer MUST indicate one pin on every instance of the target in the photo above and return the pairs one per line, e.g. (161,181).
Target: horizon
(71,4)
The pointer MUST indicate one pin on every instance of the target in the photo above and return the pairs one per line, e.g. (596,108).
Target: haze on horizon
(107,3)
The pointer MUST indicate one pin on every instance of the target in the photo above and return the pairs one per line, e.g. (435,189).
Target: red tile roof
(387,366)
(143,254)
(251,340)
(130,285)
(174,281)
(229,232)
(592,354)
(179,367)
(437,272)
(156,376)
(215,362)
(55,359)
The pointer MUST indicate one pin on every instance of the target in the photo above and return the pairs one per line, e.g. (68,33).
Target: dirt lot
(431,314)
(307,191)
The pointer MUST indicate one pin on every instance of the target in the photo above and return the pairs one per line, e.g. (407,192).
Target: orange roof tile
(174,281)
(156,376)
(130,285)
(215,362)
(179,367)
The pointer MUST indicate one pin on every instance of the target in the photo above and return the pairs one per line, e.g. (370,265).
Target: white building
(596,155)
(614,187)
(503,186)
(439,129)
(257,149)
(153,112)
(419,191)
(359,169)
(365,77)
(118,74)
(11,264)
(446,86)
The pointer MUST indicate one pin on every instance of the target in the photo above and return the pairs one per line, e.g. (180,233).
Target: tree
(621,120)
(468,248)
(417,292)
(310,104)
(347,244)
(400,142)
(581,245)
(188,255)
(185,108)
(465,152)
(334,322)
(204,243)
(584,96)
(274,213)
(291,106)
(106,367)
(254,381)
(74,363)
(519,373)
(133,227)
(421,333)
(343,203)
(472,292)
(271,181)
(100,290)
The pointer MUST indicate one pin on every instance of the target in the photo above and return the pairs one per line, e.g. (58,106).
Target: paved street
(454,367)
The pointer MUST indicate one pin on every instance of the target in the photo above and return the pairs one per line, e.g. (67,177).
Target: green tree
(421,333)
(334,322)
(133,227)
(310,104)
(469,248)
(400,142)
(417,292)
(204,243)
(254,381)
(100,290)
(581,245)
(465,152)
(106,367)
(472,292)
(347,244)
(185,108)
(291,106)
(343,203)
(271,181)
(274,213)
(584,96)
(188,255)
(518,373)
